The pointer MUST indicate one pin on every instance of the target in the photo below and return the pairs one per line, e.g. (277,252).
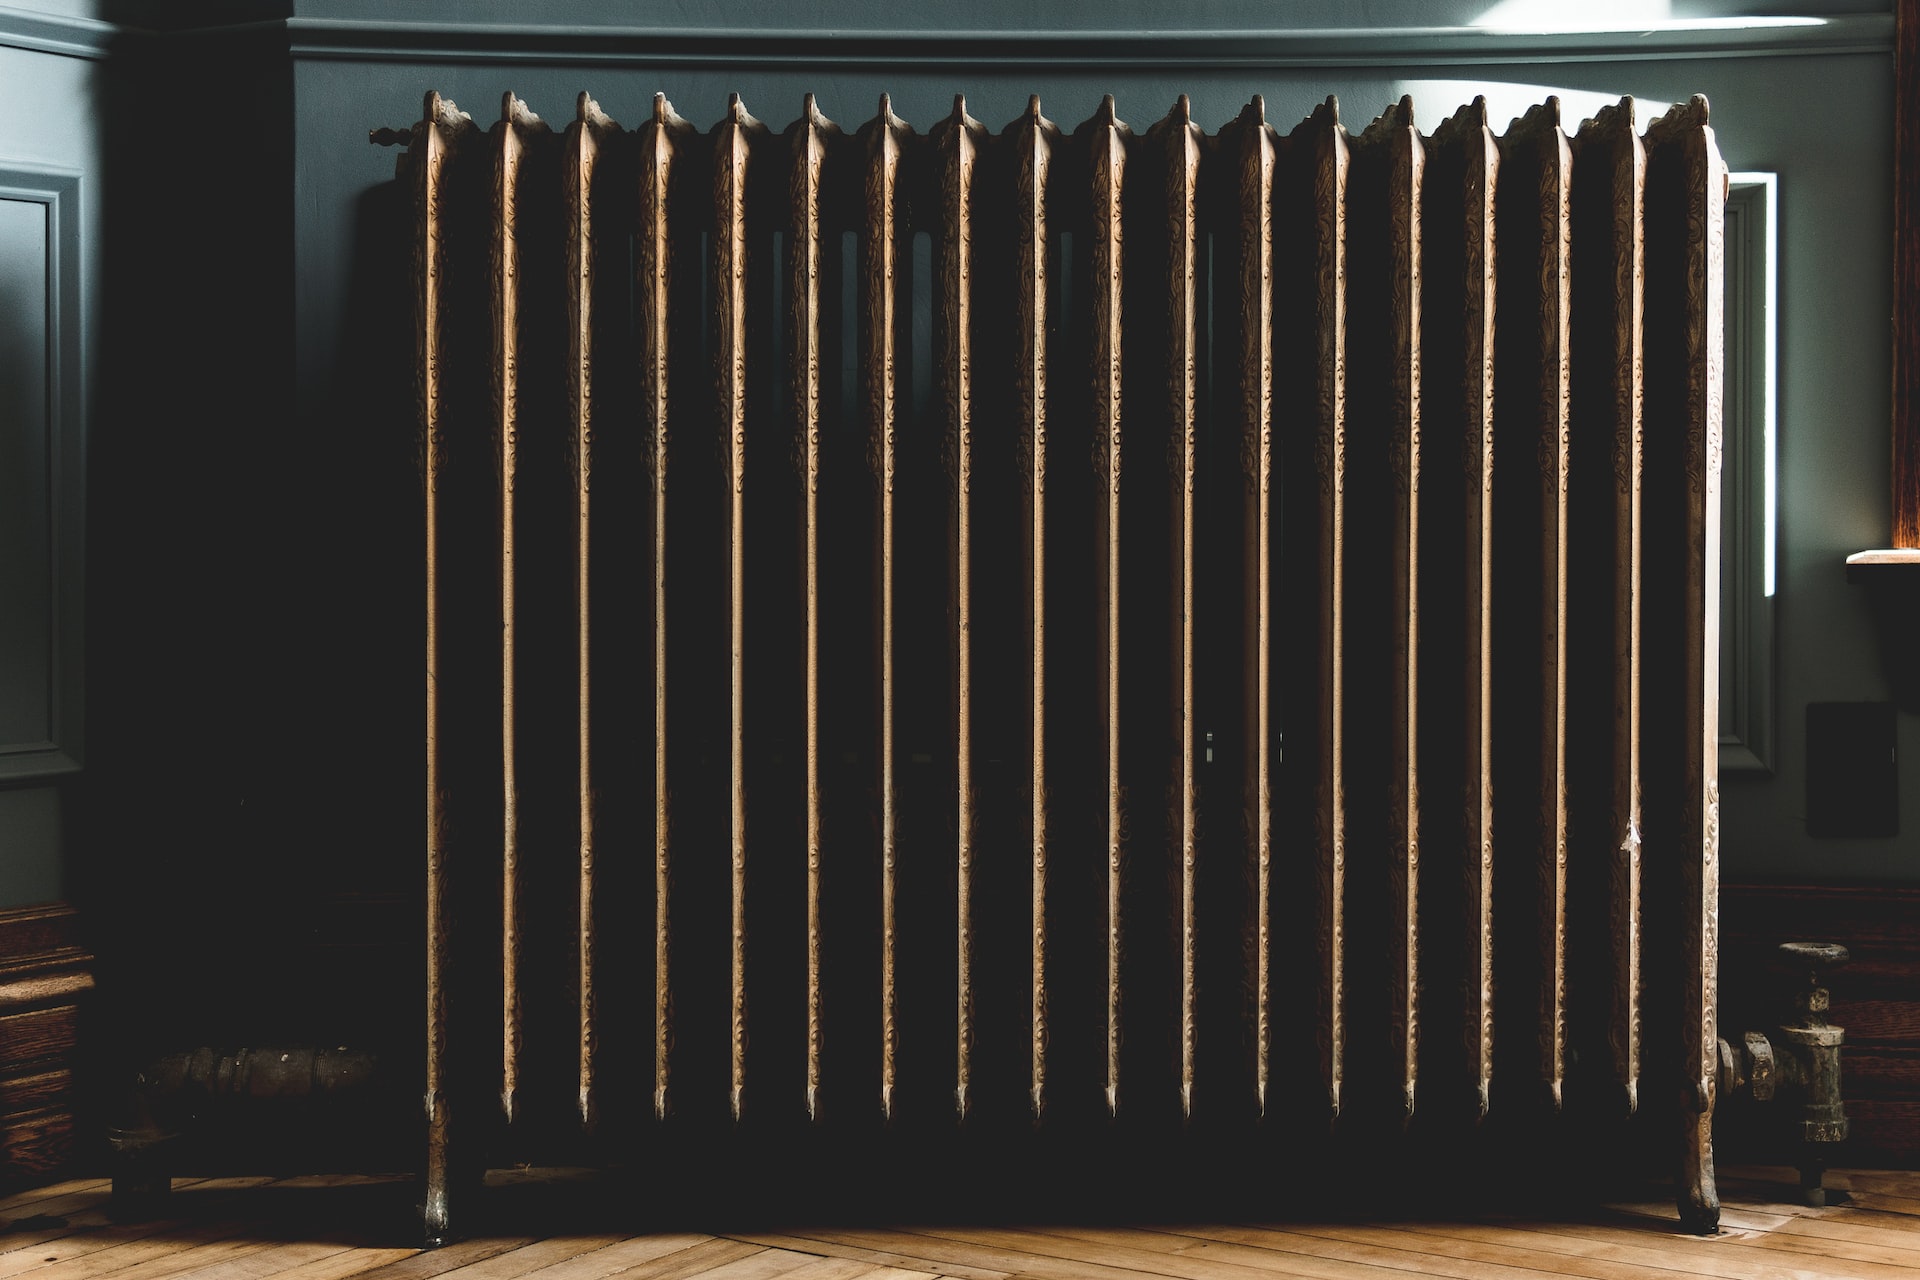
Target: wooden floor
(325,1229)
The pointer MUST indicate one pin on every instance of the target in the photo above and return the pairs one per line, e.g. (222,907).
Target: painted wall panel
(50,274)
(31,825)
(26,572)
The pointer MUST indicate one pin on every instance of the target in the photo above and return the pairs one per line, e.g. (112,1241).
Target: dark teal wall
(250,566)
(53,187)
(170,327)
(1820,120)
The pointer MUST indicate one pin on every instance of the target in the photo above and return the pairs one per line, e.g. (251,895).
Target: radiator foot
(436,1220)
(142,1176)
(1699,1199)
(1813,1190)
(435,1214)
(143,1152)
(437,1232)
(1700,1212)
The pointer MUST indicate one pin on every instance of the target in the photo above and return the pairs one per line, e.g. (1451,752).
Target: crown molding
(334,39)
(553,43)
(63,35)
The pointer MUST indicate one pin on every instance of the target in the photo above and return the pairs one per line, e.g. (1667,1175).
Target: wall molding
(1747,672)
(59,190)
(554,43)
(64,35)
(321,38)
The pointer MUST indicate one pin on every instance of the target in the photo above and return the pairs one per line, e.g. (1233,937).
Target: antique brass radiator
(968,628)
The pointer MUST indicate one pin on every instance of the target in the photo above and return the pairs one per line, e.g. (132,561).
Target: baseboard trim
(46,978)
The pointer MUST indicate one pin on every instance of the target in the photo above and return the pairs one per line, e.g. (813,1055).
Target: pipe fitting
(1798,1062)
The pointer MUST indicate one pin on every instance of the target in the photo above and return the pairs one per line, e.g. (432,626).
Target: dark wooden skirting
(46,975)
(1876,997)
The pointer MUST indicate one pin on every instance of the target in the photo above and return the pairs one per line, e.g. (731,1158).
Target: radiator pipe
(184,1097)
(1798,1062)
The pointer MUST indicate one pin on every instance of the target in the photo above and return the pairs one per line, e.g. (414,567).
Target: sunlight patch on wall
(1508,101)
(1620,15)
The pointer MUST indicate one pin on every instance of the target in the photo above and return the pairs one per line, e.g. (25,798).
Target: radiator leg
(142,1180)
(1813,1192)
(142,1169)
(1699,1199)
(435,1213)
(437,1224)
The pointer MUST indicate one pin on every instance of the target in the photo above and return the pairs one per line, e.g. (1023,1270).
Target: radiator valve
(1798,1062)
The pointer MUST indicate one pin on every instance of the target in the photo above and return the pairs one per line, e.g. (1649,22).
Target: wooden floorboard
(1151,1253)
(618,1257)
(529,1258)
(1675,1252)
(879,1257)
(994,1256)
(693,1261)
(108,1251)
(320,1228)
(10,1205)
(429,1264)
(1432,1254)
(1407,1253)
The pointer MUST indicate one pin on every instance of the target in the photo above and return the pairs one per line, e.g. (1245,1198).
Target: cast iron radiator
(1041,624)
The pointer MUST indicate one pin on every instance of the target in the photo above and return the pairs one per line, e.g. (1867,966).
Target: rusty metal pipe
(1798,1063)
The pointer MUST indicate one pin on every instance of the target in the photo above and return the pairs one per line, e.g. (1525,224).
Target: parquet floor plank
(83,1233)
(1005,1260)
(822,1268)
(55,1207)
(765,1264)
(109,1249)
(219,1229)
(617,1258)
(530,1257)
(89,1208)
(1834,1252)
(1281,1252)
(691,1262)
(948,1268)
(1671,1251)
(10,1206)
(1842,1267)
(346,1263)
(194,1255)
(1420,1254)
(1117,1248)
(1846,1225)
(430,1264)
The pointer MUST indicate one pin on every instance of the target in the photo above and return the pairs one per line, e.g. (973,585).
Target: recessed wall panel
(26,579)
